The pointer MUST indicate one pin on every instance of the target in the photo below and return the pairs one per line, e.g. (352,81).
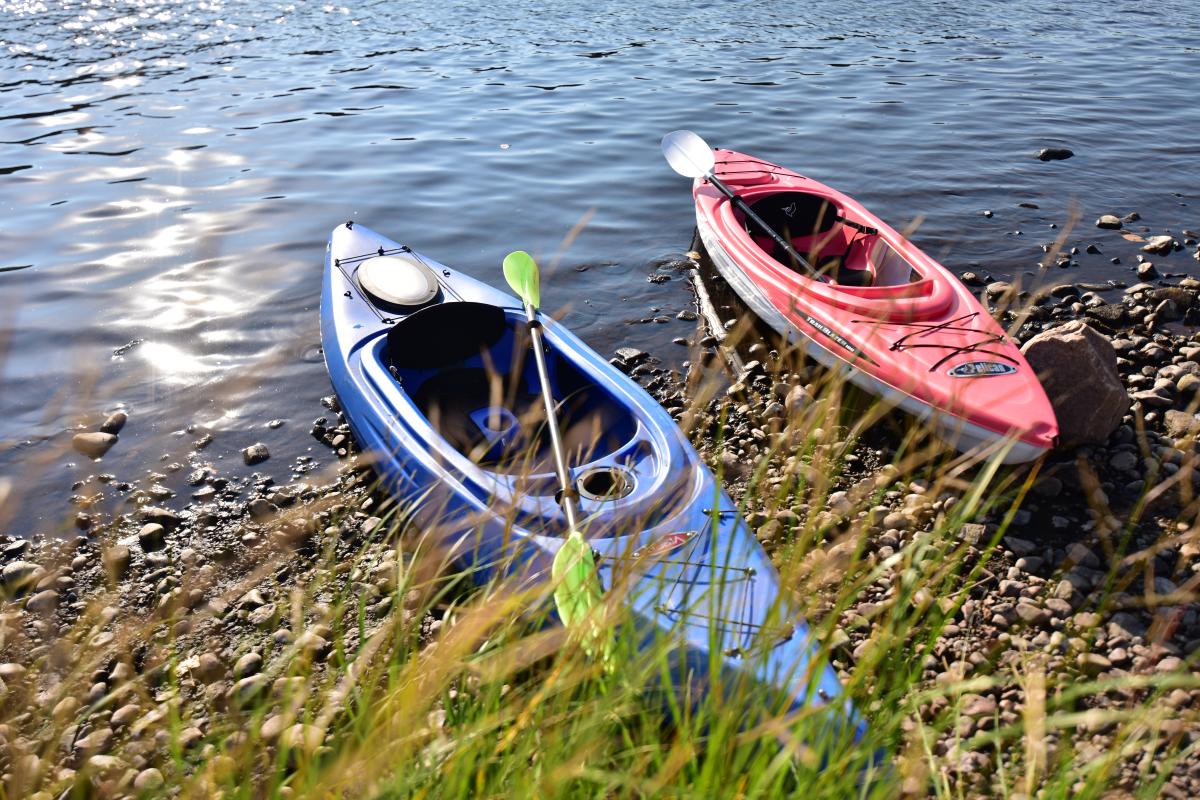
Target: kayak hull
(900,326)
(671,544)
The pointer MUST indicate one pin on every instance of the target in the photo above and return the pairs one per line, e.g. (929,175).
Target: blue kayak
(431,369)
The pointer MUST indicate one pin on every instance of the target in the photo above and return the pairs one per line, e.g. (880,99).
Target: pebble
(20,574)
(274,727)
(247,665)
(312,644)
(1123,461)
(93,445)
(148,780)
(976,706)
(152,536)
(208,668)
(301,737)
(252,599)
(43,601)
(98,741)
(1033,615)
(631,356)
(1078,553)
(162,516)
(1159,244)
(114,422)
(1019,547)
(116,560)
(260,508)
(1111,221)
(64,708)
(1170,664)
(255,454)
(1179,424)
(11,672)
(189,738)
(1054,154)
(125,715)
(1030,564)
(104,764)
(245,690)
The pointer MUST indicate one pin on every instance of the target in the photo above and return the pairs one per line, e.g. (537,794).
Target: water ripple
(172,169)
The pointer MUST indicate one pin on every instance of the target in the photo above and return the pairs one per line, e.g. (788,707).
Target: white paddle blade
(688,154)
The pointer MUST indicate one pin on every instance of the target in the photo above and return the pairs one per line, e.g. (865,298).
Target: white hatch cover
(399,280)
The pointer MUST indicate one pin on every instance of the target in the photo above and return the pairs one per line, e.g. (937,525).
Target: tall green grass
(434,687)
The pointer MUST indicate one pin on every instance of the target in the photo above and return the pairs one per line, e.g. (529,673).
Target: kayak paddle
(576,584)
(691,157)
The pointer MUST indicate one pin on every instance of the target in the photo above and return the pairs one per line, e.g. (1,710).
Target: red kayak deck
(870,300)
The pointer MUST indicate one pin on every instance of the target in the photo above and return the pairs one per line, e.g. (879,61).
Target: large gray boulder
(1078,367)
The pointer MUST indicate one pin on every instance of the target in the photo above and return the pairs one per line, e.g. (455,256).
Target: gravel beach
(190,608)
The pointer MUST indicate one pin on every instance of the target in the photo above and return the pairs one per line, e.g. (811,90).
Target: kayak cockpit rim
(463,376)
(848,253)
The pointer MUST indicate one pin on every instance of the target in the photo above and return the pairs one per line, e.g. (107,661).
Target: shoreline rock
(1078,369)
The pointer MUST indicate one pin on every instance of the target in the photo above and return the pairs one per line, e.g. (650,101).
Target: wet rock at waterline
(114,422)
(1054,154)
(1078,368)
(1160,245)
(1110,221)
(93,445)
(255,454)
(152,536)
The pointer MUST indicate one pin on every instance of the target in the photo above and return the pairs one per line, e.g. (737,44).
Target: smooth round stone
(93,445)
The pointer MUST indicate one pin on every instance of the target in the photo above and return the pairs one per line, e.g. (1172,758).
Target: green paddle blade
(521,272)
(577,594)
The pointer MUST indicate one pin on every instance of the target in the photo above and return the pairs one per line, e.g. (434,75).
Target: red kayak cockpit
(855,260)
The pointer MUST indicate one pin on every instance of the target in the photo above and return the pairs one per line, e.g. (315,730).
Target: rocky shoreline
(192,611)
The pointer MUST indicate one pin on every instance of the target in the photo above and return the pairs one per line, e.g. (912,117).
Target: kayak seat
(846,276)
(445,334)
(795,214)
(805,220)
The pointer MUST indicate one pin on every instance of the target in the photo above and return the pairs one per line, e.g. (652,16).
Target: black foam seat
(444,334)
(796,214)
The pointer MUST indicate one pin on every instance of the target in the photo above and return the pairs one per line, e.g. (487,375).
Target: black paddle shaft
(740,203)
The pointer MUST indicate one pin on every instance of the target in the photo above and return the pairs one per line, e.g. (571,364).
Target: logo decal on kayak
(842,341)
(981,369)
(790,210)
(660,547)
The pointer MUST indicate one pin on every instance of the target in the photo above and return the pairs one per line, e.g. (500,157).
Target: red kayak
(832,277)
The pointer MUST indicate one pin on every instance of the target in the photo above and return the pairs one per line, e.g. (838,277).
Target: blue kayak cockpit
(467,370)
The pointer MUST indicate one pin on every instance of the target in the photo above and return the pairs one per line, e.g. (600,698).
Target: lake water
(169,173)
